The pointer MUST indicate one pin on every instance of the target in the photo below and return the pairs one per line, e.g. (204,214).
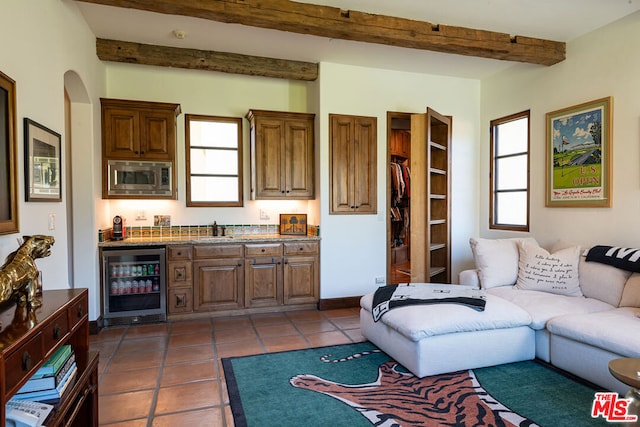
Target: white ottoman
(437,338)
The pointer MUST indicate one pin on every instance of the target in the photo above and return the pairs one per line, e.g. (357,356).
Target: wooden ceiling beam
(163,56)
(331,22)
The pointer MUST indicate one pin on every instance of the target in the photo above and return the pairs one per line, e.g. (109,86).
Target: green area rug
(358,385)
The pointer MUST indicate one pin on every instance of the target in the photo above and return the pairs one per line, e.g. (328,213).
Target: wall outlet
(141,216)
(380,280)
(264,215)
(52,221)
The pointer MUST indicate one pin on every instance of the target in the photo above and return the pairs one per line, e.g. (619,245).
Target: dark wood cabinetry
(228,277)
(29,337)
(282,155)
(218,277)
(138,131)
(353,162)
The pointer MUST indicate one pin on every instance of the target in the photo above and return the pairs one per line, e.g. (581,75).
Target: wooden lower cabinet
(301,279)
(263,282)
(228,277)
(218,284)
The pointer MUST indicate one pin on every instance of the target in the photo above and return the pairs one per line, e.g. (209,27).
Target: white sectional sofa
(579,315)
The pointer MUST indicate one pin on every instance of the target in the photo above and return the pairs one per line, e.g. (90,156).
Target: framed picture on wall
(578,155)
(293,224)
(42,163)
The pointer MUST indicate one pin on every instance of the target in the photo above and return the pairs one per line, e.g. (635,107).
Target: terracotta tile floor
(170,374)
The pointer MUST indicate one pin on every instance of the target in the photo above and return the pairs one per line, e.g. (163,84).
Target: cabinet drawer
(22,362)
(217,251)
(180,300)
(55,330)
(78,311)
(175,253)
(263,249)
(301,248)
(179,273)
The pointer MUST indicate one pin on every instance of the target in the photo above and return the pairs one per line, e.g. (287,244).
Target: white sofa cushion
(543,306)
(612,330)
(597,280)
(601,281)
(631,292)
(420,321)
(497,260)
(557,273)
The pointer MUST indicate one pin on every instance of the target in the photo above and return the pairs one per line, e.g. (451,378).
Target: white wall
(602,63)
(40,44)
(205,93)
(354,246)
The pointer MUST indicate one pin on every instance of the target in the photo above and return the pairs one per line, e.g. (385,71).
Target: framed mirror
(8,157)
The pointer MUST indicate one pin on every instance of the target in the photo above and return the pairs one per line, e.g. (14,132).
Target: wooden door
(121,133)
(157,136)
(263,285)
(298,158)
(430,197)
(353,147)
(301,280)
(218,284)
(268,158)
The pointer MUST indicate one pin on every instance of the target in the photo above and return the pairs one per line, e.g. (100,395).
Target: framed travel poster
(578,157)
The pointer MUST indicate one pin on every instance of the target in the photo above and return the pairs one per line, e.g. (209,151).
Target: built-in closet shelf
(436,246)
(438,146)
(438,196)
(437,221)
(436,270)
(438,171)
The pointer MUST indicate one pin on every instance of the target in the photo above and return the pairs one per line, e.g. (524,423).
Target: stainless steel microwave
(139,178)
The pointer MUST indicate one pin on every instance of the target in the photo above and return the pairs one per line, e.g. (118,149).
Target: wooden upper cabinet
(282,155)
(138,130)
(353,162)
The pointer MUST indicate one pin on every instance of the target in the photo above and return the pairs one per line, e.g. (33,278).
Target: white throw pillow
(497,260)
(631,293)
(556,273)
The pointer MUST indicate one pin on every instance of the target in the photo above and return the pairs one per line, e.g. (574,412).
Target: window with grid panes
(509,204)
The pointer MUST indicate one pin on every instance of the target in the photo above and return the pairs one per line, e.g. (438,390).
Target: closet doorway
(398,197)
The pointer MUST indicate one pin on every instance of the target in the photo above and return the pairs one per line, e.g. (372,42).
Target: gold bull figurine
(19,276)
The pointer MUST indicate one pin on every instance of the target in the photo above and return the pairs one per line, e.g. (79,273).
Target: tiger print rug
(359,385)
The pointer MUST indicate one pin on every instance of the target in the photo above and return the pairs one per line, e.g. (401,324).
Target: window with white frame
(213,147)
(509,204)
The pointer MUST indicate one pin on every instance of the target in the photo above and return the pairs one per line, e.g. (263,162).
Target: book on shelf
(52,394)
(54,363)
(49,382)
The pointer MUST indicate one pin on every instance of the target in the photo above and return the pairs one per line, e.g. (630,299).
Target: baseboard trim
(336,303)
(95,326)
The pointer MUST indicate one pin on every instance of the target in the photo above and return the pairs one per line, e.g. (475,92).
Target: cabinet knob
(264,250)
(56,332)
(26,361)
(181,301)
(80,311)
(179,253)
(301,248)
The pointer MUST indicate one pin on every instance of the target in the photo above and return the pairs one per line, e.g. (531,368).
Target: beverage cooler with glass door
(133,285)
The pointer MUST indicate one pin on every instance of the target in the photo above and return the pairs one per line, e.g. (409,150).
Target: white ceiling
(558,20)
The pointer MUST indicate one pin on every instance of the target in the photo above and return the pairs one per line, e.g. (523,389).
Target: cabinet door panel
(218,285)
(341,175)
(299,164)
(157,133)
(122,135)
(263,282)
(268,152)
(301,280)
(353,160)
(364,166)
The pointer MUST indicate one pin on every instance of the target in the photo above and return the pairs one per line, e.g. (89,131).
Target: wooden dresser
(28,338)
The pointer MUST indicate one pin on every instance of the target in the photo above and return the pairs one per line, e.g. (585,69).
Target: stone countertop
(185,240)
